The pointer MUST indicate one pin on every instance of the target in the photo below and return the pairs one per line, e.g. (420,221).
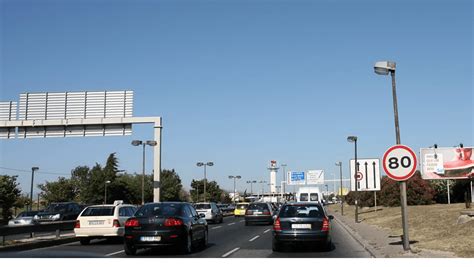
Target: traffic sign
(315,177)
(368,175)
(295,178)
(399,162)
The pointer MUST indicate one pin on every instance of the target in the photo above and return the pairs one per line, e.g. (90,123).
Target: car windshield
(56,208)
(98,211)
(202,206)
(258,206)
(311,211)
(161,209)
(242,206)
(304,197)
(313,197)
(27,214)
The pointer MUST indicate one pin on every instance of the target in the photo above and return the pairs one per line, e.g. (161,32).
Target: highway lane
(231,239)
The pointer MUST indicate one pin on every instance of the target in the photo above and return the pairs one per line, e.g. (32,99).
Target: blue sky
(241,83)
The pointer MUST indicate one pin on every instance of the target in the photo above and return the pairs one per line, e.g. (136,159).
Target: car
(103,221)
(259,213)
(24,218)
(165,224)
(240,209)
(60,211)
(210,211)
(301,222)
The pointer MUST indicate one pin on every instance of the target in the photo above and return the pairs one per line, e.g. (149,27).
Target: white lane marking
(241,220)
(254,238)
(111,254)
(266,231)
(231,223)
(216,227)
(230,252)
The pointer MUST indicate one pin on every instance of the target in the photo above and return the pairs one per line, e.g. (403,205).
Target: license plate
(301,226)
(150,238)
(96,222)
(257,212)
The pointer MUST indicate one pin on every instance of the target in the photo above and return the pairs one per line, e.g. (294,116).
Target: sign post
(399,163)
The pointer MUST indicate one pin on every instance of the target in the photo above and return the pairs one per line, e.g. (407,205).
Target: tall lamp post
(200,164)
(283,175)
(234,177)
(339,163)
(105,194)
(143,143)
(251,189)
(353,139)
(384,68)
(33,169)
(263,188)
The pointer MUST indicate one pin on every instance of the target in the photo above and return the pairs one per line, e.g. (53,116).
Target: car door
(197,223)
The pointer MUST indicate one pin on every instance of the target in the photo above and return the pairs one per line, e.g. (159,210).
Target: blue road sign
(297,178)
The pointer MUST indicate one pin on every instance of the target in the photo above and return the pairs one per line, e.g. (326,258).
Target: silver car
(24,218)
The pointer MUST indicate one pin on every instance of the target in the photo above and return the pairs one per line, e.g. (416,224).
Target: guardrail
(56,227)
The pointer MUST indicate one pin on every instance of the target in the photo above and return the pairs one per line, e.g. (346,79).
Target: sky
(240,83)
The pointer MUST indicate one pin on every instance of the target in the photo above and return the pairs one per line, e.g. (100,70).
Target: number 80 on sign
(399,162)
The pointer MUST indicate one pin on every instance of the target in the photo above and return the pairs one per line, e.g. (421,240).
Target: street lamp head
(107,182)
(384,67)
(151,143)
(352,139)
(210,163)
(34,168)
(136,142)
(238,176)
(199,164)
(338,163)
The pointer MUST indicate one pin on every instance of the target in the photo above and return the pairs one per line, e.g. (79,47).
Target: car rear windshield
(258,206)
(203,206)
(162,209)
(304,197)
(313,197)
(242,206)
(98,211)
(310,211)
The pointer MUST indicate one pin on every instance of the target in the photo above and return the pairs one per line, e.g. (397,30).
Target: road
(230,239)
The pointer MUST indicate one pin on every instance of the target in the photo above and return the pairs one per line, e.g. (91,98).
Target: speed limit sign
(399,162)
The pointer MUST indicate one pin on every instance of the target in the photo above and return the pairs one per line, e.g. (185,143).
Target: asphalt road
(230,239)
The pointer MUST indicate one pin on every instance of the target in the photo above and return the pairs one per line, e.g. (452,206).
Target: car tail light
(248,212)
(133,222)
(116,223)
(277,225)
(266,212)
(173,222)
(325,227)
(78,224)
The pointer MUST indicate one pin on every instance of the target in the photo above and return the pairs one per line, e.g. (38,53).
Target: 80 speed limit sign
(399,162)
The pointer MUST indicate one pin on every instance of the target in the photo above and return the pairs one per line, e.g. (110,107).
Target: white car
(210,210)
(102,221)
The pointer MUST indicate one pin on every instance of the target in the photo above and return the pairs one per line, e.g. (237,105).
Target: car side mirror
(202,215)
(331,217)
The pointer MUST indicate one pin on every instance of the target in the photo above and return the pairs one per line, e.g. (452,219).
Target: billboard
(315,177)
(446,163)
(295,178)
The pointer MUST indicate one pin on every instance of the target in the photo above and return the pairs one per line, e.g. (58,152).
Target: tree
(9,192)
(170,186)
(62,190)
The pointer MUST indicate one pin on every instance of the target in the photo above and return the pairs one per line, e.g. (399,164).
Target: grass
(434,227)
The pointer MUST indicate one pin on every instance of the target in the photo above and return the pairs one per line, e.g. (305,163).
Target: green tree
(9,192)
(62,190)
(170,186)
(213,191)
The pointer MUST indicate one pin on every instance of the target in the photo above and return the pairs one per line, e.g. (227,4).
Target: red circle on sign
(359,176)
(404,177)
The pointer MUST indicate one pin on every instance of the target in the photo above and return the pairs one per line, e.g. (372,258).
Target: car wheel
(276,246)
(246,223)
(222,219)
(188,244)
(327,246)
(85,241)
(130,249)
(205,240)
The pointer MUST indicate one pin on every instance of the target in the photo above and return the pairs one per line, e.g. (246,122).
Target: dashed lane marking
(114,253)
(231,223)
(254,238)
(266,231)
(230,252)
(216,227)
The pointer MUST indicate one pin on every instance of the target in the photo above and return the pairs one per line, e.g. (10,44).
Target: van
(309,194)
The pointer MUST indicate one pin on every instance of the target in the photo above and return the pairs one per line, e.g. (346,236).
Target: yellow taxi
(240,209)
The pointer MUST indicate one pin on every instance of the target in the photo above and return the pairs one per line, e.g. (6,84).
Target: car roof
(109,205)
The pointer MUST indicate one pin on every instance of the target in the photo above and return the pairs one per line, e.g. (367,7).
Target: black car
(61,211)
(165,224)
(259,213)
(302,222)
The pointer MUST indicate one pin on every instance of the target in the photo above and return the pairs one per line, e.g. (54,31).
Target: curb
(38,244)
(358,238)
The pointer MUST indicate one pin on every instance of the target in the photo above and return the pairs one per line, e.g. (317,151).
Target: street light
(284,174)
(234,177)
(33,169)
(327,192)
(251,182)
(339,163)
(263,188)
(200,164)
(384,68)
(105,197)
(353,139)
(143,143)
